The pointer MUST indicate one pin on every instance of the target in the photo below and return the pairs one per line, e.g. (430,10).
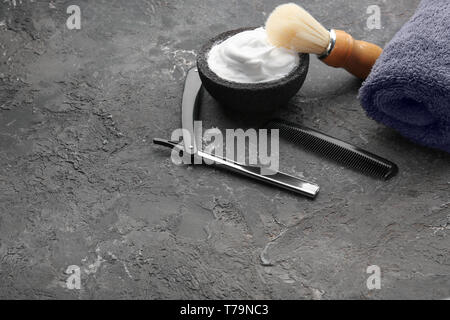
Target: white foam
(248,57)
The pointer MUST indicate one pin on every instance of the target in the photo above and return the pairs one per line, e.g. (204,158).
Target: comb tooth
(369,167)
(334,149)
(382,173)
(375,173)
(361,166)
(385,173)
(379,171)
(341,154)
(375,169)
(354,162)
(346,156)
(379,167)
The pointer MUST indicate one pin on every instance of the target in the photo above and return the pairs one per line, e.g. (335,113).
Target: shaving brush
(292,27)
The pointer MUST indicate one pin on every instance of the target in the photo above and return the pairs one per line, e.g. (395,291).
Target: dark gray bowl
(259,98)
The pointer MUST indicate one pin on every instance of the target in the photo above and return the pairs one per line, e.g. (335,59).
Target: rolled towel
(409,86)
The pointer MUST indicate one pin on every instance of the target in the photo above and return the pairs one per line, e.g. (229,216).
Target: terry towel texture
(409,87)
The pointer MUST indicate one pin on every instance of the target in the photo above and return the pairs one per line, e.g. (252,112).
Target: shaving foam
(248,57)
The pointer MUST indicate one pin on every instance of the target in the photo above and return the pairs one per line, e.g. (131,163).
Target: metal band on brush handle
(330,45)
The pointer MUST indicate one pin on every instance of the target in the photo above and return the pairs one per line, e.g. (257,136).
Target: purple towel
(409,87)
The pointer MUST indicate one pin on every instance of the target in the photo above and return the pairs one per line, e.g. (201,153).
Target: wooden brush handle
(357,57)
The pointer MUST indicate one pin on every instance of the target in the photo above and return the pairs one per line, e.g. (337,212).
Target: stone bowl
(256,98)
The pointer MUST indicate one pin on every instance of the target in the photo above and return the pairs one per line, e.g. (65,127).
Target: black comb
(334,149)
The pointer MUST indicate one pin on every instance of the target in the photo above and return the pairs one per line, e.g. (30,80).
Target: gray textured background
(81,183)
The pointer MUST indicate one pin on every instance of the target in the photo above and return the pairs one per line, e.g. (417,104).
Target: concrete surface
(81,184)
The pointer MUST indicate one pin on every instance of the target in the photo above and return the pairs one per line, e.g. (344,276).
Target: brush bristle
(292,27)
